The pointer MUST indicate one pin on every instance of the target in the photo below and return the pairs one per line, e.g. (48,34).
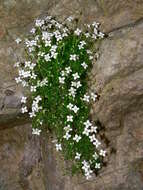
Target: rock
(111,15)
(31,163)
(20,160)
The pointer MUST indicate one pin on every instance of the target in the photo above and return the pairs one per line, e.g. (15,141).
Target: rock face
(31,163)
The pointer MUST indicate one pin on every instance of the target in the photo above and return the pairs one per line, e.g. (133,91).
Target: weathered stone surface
(20,160)
(28,163)
(111,14)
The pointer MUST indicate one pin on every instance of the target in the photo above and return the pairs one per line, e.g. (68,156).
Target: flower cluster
(56,74)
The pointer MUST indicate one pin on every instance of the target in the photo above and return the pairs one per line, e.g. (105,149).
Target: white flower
(67,136)
(54,55)
(70,106)
(23,99)
(95,24)
(39,22)
(77,31)
(72,91)
(70,118)
(73,57)
(63,73)
(24,83)
(93,129)
(58,147)
(77,138)
(92,138)
(47,57)
(33,89)
(93,96)
(36,131)
(69,19)
(97,166)
(87,123)
(32,114)
(18,40)
(17,64)
(87,35)
(75,109)
(90,57)
(95,155)
(101,35)
(18,80)
(33,30)
(96,143)
(62,80)
(47,43)
(84,65)
(24,109)
(102,153)
(86,98)
(88,51)
(77,156)
(86,131)
(75,76)
(76,84)
(68,70)
(33,76)
(68,128)
(38,98)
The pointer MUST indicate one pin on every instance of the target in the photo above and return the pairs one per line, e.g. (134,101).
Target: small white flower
(75,109)
(87,35)
(67,136)
(24,109)
(87,123)
(95,24)
(86,131)
(23,99)
(93,129)
(24,83)
(68,128)
(75,76)
(97,166)
(92,138)
(77,156)
(93,96)
(90,57)
(39,22)
(70,118)
(17,64)
(18,40)
(36,131)
(68,70)
(95,155)
(62,80)
(58,147)
(47,57)
(32,114)
(88,51)
(33,30)
(33,89)
(77,138)
(77,31)
(84,65)
(86,98)
(96,143)
(72,91)
(101,35)
(102,153)
(73,57)
(70,106)
(69,19)
(18,80)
